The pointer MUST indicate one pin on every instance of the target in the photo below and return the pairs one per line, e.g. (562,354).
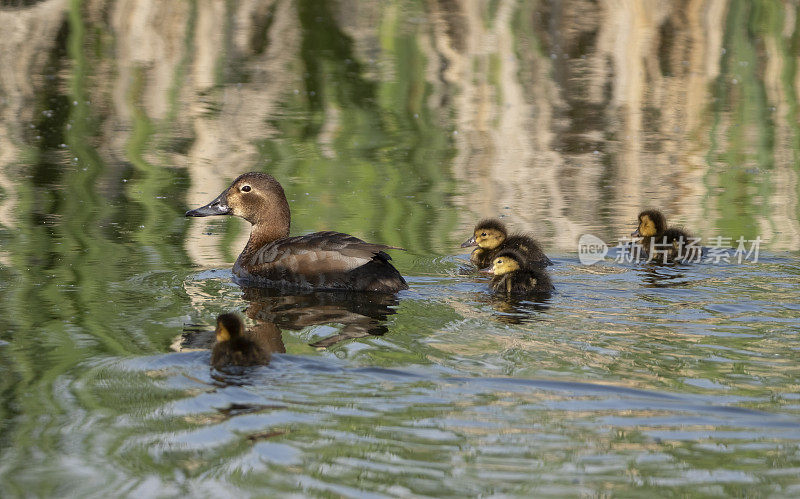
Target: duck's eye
(499,262)
(483,234)
(245,188)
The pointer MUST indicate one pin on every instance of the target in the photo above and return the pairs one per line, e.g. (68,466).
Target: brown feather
(328,260)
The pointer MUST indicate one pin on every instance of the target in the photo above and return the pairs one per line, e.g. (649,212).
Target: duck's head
(256,197)
(229,326)
(507,261)
(651,223)
(488,234)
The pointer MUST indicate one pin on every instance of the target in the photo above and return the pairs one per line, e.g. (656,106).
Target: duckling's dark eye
(245,188)
(483,234)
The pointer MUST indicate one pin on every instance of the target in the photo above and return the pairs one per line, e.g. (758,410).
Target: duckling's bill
(469,242)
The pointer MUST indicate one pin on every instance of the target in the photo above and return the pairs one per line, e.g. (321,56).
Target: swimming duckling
(322,260)
(666,243)
(513,277)
(233,348)
(491,237)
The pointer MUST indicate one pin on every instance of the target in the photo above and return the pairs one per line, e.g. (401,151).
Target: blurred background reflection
(406,121)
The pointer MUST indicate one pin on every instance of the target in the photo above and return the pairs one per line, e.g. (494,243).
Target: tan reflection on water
(27,35)
(567,116)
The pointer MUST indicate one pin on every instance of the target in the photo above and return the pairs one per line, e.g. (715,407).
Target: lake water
(402,123)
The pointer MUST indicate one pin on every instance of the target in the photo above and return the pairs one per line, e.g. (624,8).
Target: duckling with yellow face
(513,277)
(670,242)
(233,348)
(490,236)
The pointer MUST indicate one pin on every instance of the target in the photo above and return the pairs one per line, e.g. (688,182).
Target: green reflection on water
(741,99)
(748,119)
(383,174)
(69,303)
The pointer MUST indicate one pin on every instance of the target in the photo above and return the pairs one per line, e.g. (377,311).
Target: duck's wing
(676,234)
(316,254)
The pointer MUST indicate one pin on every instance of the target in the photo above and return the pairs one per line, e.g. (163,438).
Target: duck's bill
(635,233)
(469,242)
(218,206)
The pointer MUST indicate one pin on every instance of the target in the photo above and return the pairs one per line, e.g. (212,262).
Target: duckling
(322,260)
(655,234)
(491,237)
(232,347)
(513,277)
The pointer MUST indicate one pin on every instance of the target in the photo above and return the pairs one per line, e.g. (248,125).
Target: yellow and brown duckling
(233,347)
(322,260)
(491,237)
(513,277)
(669,242)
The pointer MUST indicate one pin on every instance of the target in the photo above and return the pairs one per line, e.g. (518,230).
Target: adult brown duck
(491,237)
(322,260)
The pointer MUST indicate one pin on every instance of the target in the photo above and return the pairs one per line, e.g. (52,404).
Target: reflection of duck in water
(518,309)
(658,276)
(513,277)
(359,314)
(491,237)
(233,348)
(322,260)
(662,242)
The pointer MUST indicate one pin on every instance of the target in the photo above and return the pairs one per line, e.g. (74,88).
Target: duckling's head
(229,326)
(256,197)
(488,234)
(507,261)
(651,223)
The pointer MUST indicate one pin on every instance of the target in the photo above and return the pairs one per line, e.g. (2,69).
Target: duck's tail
(379,275)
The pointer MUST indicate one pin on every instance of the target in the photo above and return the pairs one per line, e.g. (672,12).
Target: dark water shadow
(665,275)
(360,314)
(519,310)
